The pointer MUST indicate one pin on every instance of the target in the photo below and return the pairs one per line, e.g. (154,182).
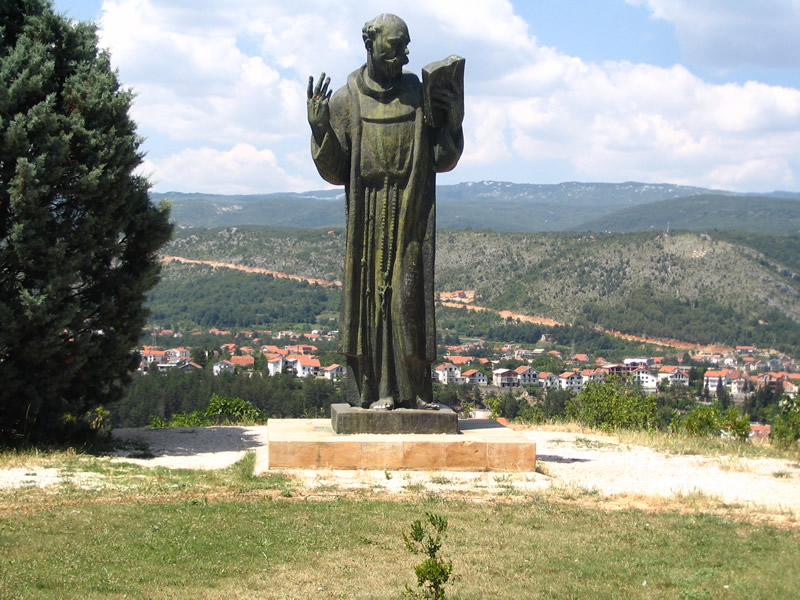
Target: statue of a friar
(384,136)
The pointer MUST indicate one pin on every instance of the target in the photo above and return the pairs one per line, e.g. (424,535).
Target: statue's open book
(447,73)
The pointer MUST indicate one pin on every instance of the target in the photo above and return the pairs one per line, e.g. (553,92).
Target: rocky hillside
(688,286)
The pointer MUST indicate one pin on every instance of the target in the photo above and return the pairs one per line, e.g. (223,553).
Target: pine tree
(78,233)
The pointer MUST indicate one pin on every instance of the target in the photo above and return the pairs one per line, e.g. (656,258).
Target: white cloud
(734,34)
(243,169)
(226,81)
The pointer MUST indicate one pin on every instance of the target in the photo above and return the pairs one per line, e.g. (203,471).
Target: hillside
(704,212)
(498,206)
(696,287)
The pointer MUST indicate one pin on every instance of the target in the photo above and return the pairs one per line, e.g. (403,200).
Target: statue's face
(390,50)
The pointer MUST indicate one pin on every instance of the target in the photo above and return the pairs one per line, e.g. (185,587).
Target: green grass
(354,549)
(156,533)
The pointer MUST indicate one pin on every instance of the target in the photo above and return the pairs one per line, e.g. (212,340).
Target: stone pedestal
(349,420)
(481,445)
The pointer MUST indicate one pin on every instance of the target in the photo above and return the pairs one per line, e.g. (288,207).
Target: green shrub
(612,405)
(433,572)
(220,411)
(736,425)
(786,426)
(494,404)
(702,421)
(157,423)
(193,419)
(531,414)
(232,410)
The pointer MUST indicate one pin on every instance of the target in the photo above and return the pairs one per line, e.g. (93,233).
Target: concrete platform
(482,445)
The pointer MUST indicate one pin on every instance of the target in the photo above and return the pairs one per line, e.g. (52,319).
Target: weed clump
(433,572)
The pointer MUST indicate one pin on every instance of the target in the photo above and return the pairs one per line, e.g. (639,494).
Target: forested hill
(704,212)
(721,287)
(498,206)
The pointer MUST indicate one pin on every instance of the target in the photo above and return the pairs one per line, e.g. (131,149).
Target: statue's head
(386,40)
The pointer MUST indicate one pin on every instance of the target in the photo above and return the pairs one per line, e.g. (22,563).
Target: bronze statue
(384,136)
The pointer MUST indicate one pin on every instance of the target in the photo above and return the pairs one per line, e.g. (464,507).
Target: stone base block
(346,419)
(482,445)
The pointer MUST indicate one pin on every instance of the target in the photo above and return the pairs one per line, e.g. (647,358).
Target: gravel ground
(601,463)
(593,463)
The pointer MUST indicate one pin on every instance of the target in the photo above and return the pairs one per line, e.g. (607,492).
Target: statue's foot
(421,404)
(383,404)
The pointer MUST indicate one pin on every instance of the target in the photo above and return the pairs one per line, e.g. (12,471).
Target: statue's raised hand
(319,113)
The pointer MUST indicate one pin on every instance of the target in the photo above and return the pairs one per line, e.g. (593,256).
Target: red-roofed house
(588,375)
(307,349)
(267,349)
(447,373)
(178,353)
(303,365)
(527,375)
(673,375)
(505,378)
(150,355)
(713,379)
(333,371)
(475,377)
(275,364)
(548,380)
(245,362)
(460,360)
(570,380)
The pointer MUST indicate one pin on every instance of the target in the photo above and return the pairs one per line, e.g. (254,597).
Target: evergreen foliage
(196,295)
(78,233)
(164,395)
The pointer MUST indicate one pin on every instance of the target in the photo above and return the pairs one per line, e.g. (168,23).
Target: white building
(447,373)
(570,380)
(223,366)
(548,380)
(505,378)
(333,371)
(673,375)
(302,365)
(475,377)
(527,375)
(645,380)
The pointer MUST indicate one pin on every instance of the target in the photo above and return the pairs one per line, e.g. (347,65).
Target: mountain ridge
(492,205)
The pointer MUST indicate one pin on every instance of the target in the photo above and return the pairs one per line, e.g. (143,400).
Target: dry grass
(675,443)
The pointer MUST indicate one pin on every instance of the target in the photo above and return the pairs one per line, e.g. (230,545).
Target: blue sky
(696,92)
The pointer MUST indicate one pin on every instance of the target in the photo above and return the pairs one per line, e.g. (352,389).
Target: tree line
(163,395)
